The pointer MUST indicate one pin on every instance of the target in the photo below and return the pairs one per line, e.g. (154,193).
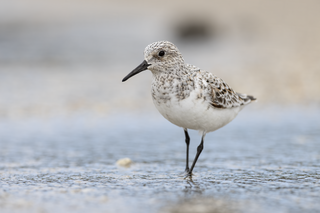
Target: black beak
(143,66)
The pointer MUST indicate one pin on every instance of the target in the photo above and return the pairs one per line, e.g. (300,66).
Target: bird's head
(161,56)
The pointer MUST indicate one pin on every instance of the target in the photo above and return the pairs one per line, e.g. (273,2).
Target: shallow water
(265,160)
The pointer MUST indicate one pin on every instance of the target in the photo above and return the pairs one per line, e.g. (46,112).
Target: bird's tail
(247,98)
(251,98)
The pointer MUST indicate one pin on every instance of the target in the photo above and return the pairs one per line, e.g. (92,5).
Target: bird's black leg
(187,143)
(199,150)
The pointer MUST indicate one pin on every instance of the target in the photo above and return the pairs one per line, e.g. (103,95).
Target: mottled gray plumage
(176,77)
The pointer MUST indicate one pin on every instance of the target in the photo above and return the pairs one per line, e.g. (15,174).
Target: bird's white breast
(192,112)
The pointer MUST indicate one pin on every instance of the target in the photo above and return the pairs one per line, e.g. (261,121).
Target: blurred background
(66,117)
(59,57)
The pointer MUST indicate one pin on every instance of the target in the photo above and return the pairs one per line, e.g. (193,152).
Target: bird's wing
(220,94)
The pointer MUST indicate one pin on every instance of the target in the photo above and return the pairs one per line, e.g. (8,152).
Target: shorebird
(187,96)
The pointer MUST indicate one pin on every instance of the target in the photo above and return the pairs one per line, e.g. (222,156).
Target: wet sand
(266,160)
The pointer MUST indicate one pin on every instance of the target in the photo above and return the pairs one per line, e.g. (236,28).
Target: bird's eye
(161,53)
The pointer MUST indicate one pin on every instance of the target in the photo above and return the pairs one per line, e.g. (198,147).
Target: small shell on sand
(124,162)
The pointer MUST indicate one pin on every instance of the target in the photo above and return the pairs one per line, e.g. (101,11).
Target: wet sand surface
(265,160)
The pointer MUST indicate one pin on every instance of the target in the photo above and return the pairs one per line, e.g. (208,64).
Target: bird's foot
(188,175)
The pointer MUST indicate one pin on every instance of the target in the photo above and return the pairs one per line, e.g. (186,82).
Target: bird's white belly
(197,114)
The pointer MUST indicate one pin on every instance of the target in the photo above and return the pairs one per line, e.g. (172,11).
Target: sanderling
(187,96)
